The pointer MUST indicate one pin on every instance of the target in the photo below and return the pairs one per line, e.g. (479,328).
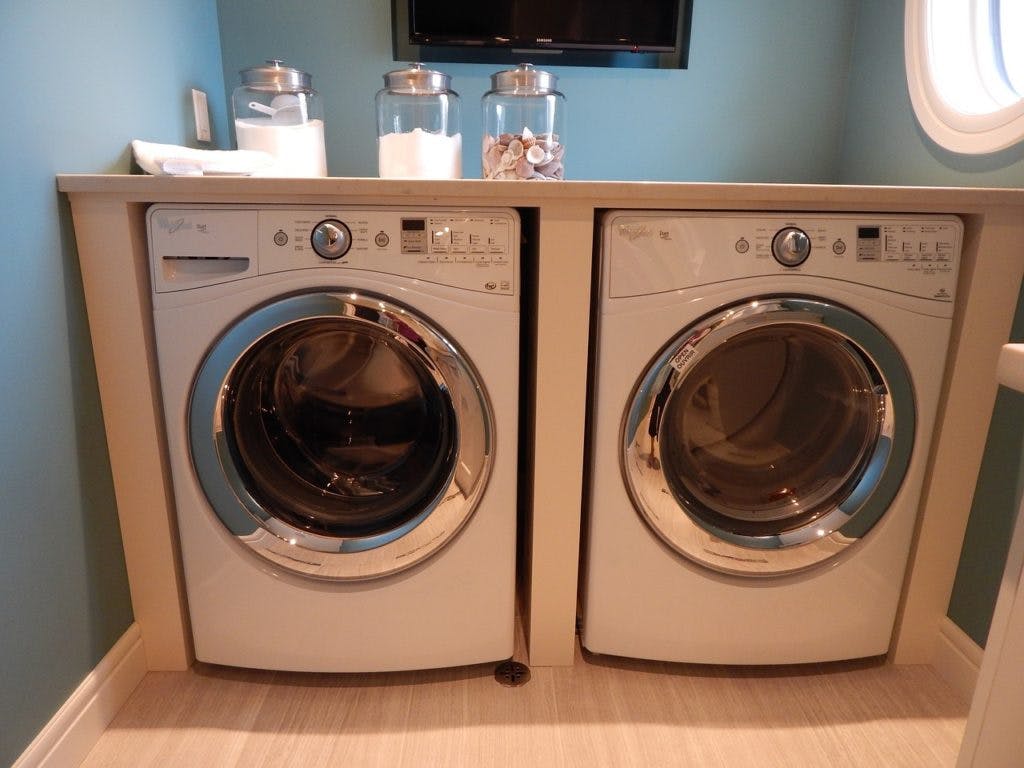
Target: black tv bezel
(403,49)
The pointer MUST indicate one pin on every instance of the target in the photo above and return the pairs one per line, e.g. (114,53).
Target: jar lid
(276,77)
(524,78)
(416,79)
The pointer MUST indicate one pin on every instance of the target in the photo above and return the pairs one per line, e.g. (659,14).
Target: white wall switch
(202,113)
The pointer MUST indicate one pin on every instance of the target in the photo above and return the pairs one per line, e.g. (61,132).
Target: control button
(281,237)
(382,239)
(331,239)
(791,246)
(742,246)
(839,247)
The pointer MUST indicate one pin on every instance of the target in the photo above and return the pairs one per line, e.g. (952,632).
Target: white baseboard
(957,658)
(71,734)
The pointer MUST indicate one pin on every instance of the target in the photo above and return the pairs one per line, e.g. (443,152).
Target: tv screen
(597,32)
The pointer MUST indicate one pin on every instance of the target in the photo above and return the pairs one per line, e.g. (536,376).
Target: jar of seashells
(523,120)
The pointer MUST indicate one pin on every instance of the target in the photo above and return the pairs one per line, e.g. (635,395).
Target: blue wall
(81,81)
(753,106)
(883,144)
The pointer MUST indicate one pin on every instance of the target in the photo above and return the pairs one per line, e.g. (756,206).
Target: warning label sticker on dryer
(686,353)
(682,358)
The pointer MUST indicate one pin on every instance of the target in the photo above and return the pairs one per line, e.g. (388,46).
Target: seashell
(527,134)
(535,154)
(515,148)
(548,169)
(493,157)
(524,168)
(505,138)
(558,152)
(539,176)
(488,142)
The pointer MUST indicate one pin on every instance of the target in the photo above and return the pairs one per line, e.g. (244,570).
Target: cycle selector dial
(791,246)
(331,239)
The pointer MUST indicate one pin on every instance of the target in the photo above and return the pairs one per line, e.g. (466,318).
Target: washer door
(340,435)
(769,436)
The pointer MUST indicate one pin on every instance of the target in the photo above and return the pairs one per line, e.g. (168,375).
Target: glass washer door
(769,436)
(340,436)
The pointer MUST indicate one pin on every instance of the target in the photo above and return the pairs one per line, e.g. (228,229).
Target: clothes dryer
(340,392)
(764,397)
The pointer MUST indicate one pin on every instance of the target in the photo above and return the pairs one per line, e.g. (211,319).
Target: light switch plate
(202,114)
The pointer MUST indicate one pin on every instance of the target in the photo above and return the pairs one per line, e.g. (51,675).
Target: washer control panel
(654,252)
(902,240)
(908,242)
(474,249)
(464,249)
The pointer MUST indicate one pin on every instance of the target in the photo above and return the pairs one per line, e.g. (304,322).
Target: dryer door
(770,436)
(340,435)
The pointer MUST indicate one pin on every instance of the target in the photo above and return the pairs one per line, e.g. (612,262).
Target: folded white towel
(172,160)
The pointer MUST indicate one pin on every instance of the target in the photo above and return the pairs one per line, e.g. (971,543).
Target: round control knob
(791,246)
(331,239)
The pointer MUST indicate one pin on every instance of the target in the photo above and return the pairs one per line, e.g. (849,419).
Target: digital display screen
(868,233)
(414,225)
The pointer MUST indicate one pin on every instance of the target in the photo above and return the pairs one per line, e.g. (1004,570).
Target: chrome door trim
(322,556)
(826,536)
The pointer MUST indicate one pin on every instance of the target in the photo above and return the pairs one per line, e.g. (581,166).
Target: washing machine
(765,391)
(340,387)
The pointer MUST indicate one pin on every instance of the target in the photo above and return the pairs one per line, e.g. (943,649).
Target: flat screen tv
(620,33)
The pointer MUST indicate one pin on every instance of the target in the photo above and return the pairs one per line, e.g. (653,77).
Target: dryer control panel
(655,252)
(473,249)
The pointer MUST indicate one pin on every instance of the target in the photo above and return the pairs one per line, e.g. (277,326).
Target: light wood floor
(600,712)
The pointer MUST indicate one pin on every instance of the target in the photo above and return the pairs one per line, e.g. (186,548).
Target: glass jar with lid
(524,120)
(276,110)
(418,126)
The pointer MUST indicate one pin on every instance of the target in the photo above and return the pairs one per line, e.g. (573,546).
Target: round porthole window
(965,71)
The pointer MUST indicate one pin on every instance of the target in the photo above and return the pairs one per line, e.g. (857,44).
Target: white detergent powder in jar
(419,154)
(298,149)
(277,111)
(418,126)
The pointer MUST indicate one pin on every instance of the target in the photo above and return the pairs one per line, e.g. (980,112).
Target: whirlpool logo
(180,224)
(635,231)
(172,225)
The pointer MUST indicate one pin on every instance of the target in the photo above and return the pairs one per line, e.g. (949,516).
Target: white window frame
(956,130)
